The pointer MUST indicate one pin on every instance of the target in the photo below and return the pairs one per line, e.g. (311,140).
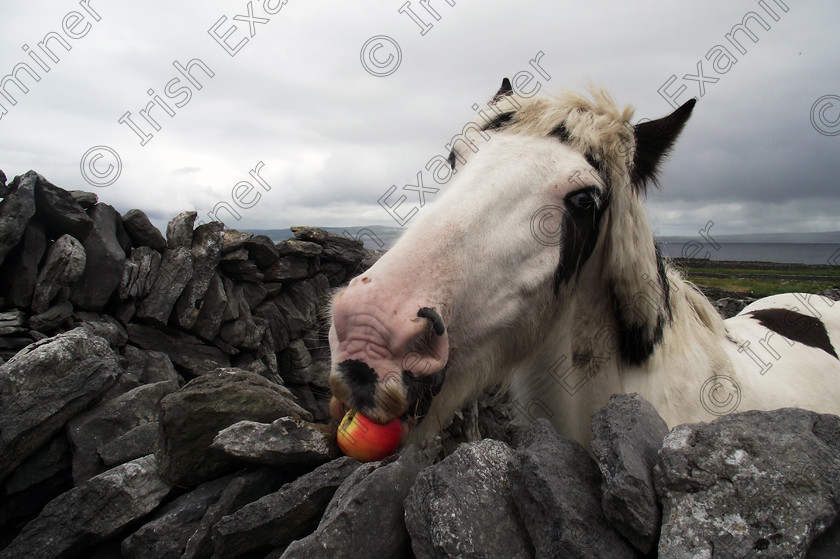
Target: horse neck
(581,366)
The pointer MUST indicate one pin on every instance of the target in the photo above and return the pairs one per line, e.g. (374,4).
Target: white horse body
(697,374)
(536,268)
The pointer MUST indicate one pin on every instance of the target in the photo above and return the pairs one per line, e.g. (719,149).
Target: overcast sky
(299,99)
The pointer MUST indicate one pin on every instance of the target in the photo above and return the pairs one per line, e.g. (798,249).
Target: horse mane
(593,126)
(626,157)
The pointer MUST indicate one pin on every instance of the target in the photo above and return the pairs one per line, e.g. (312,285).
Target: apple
(365,440)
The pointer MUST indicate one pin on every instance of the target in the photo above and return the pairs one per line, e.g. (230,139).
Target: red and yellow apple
(365,440)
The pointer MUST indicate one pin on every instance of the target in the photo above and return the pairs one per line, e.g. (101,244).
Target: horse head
(541,220)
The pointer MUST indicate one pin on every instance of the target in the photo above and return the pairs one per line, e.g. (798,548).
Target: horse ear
(654,140)
(506,89)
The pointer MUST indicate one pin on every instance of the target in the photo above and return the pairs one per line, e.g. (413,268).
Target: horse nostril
(434,317)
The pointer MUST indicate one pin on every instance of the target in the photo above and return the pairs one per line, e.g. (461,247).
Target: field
(759,279)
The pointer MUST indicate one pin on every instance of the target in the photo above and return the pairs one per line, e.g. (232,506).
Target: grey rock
(295,321)
(52,318)
(38,480)
(242,332)
(149,366)
(166,536)
(254,294)
(96,510)
(104,261)
(748,482)
(296,247)
(12,322)
(206,250)
(372,496)
(84,199)
(262,250)
(139,273)
(212,309)
(296,363)
(135,443)
(462,506)
(235,300)
(288,268)
(60,211)
(16,209)
(284,441)
(335,272)
(20,269)
(50,460)
(142,232)
(179,230)
(279,518)
(234,240)
(122,236)
(243,270)
(626,436)
(91,430)
(277,329)
(45,385)
(346,250)
(193,416)
(64,264)
(183,349)
(243,489)
(173,275)
(104,326)
(311,296)
(238,255)
(556,487)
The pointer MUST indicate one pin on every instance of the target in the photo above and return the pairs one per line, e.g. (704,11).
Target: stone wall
(166,397)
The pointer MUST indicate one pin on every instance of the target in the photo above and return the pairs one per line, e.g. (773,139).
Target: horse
(536,270)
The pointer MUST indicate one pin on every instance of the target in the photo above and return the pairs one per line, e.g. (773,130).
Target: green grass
(762,287)
(828,273)
(761,279)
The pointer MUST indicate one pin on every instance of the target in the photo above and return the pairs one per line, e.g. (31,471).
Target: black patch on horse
(361,379)
(633,342)
(561,133)
(581,227)
(635,345)
(797,327)
(421,391)
(500,121)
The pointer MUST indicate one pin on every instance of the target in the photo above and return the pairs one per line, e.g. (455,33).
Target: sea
(786,253)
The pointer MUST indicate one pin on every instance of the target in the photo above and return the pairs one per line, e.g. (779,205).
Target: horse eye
(583,200)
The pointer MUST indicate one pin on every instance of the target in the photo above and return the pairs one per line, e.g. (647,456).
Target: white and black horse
(537,269)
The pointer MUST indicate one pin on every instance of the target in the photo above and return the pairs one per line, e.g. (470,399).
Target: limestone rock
(192,417)
(179,230)
(277,519)
(142,232)
(463,506)
(557,488)
(96,510)
(173,275)
(767,481)
(45,385)
(373,495)
(284,441)
(626,436)
(16,209)
(60,211)
(103,263)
